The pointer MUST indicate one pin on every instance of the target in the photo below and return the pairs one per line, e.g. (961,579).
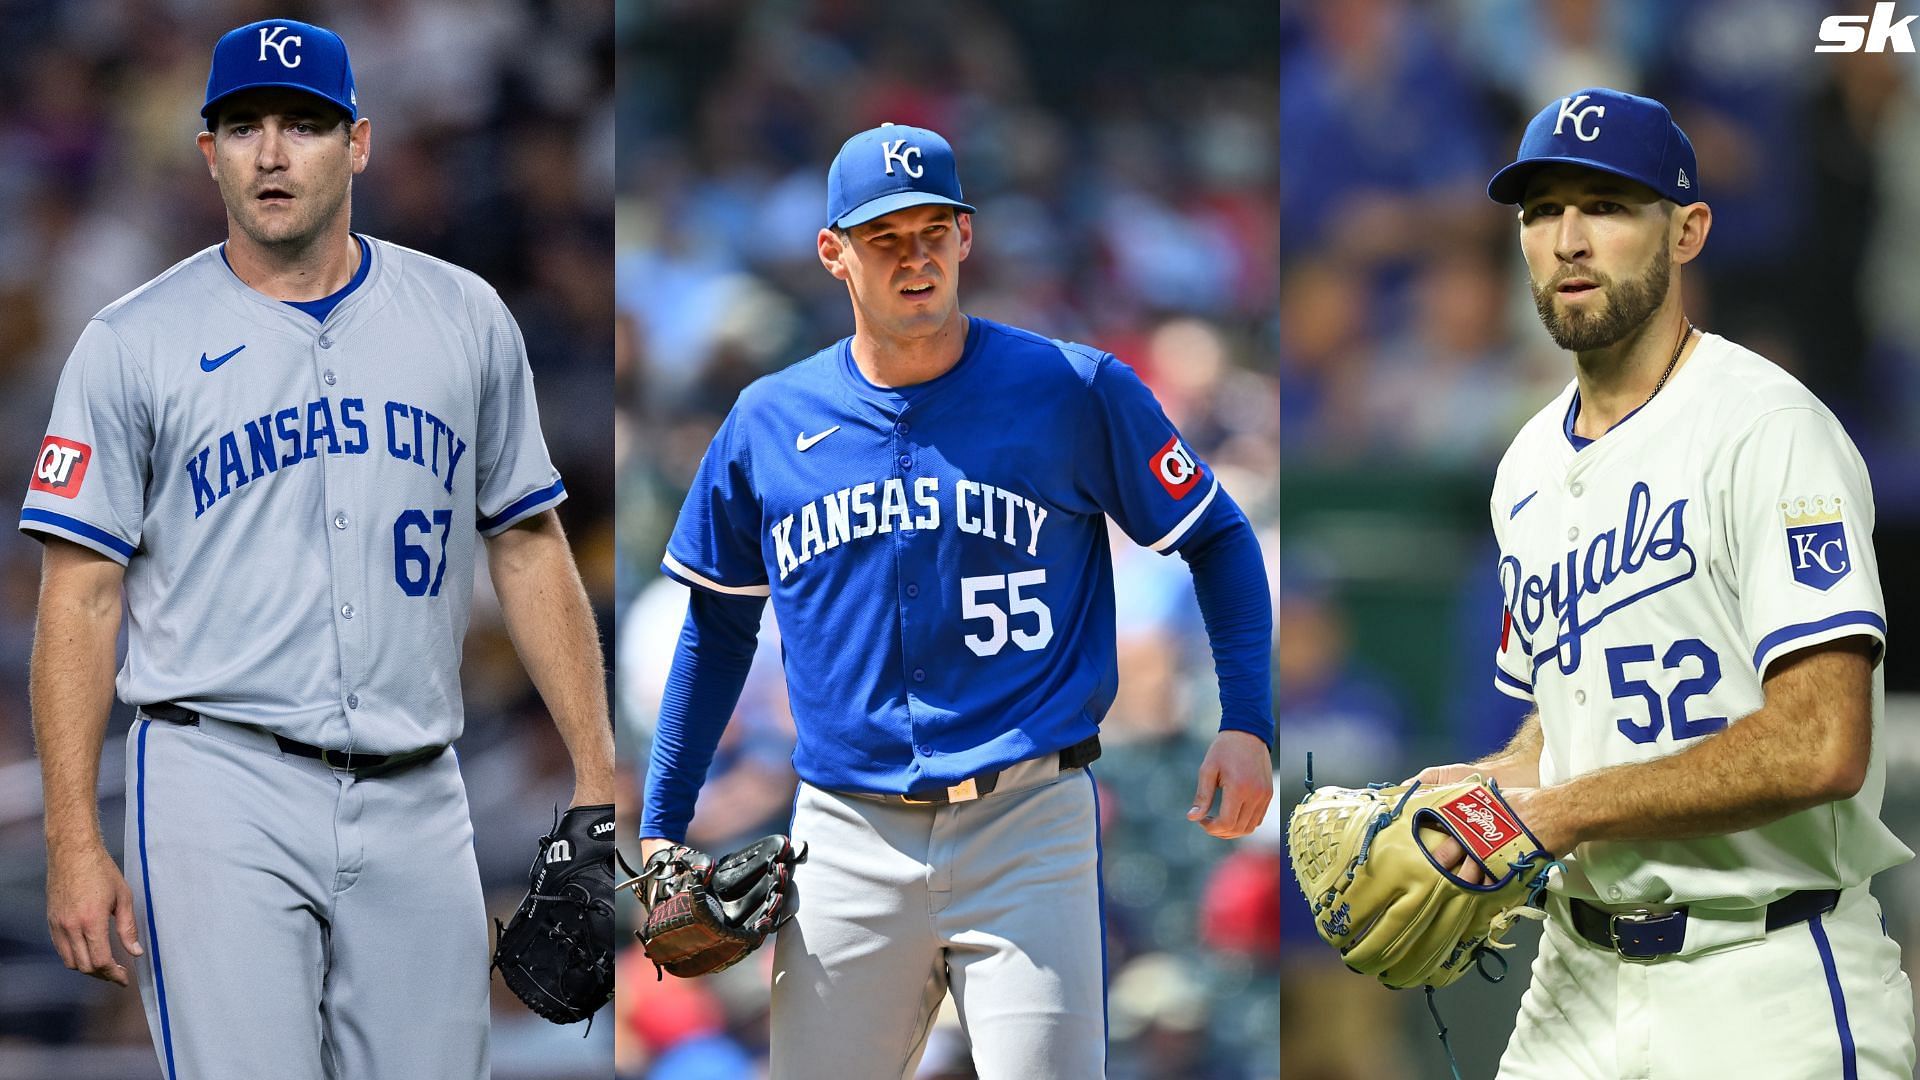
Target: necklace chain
(1678,347)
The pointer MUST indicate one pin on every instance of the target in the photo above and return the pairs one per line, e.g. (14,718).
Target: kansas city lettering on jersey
(303,432)
(873,509)
(1618,567)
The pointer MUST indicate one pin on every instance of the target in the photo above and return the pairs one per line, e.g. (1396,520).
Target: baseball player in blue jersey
(1693,608)
(926,505)
(286,451)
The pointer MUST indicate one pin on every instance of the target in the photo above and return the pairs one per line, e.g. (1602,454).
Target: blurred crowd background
(492,148)
(1124,163)
(1410,354)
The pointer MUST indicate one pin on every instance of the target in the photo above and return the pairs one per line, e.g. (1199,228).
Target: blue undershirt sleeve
(1230,581)
(710,666)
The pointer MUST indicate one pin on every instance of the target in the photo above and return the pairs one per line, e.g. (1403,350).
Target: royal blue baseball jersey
(937,554)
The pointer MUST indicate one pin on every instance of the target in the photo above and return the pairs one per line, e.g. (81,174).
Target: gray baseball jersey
(297,501)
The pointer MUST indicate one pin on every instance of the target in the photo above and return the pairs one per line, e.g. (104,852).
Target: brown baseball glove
(705,916)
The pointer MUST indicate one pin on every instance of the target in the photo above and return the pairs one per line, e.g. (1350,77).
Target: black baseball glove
(556,954)
(705,916)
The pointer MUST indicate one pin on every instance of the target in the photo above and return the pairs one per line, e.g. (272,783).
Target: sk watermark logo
(1862,33)
(1816,542)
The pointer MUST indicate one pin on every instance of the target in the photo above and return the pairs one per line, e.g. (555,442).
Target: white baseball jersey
(1651,577)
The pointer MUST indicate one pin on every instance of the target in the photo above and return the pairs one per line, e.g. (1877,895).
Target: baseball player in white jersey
(285,450)
(1693,606)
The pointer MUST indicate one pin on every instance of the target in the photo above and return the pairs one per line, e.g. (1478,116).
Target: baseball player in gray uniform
(926,504)
(285,450)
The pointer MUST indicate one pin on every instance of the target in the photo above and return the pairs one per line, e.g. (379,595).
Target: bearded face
(1584,309)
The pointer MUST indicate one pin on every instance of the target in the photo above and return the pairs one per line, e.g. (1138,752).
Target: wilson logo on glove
(556,954)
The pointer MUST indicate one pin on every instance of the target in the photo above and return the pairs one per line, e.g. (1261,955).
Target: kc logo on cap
(1570,108)
(890,152)
(282,53)
(277,38)
(890,168)
(1641,143)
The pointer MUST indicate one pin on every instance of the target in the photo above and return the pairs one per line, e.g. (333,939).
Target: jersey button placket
(903,565)
(344,554)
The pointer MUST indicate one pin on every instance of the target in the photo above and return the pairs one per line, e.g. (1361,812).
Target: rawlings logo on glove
(1379,897)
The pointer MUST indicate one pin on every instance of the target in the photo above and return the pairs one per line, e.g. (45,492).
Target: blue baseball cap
(890,168)
(1623,134)
(281,52)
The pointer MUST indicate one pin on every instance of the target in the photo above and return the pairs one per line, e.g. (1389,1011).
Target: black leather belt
(1081,753)
(362,766)
(1640,935)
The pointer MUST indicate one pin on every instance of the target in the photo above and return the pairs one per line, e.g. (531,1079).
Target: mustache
(1568,273)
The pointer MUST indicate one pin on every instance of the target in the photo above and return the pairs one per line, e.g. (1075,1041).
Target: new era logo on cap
(890,168)
(1597,128)
(285,53)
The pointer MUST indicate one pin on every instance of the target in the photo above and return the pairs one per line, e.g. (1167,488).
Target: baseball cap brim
(211,107)
(899,200)
(1509,185)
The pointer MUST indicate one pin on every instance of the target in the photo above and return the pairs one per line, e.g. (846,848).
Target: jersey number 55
(979,599)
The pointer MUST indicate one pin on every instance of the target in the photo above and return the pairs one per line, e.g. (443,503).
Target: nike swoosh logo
(209,365)
(804,442)
(1517,507)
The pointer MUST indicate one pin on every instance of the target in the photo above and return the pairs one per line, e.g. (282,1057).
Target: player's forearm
(1230,583)
(710,666)
(70,684)
(1517,764)
(1807,746)
(551,622)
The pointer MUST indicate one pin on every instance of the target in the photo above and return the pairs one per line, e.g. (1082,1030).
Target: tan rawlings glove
(1380,899)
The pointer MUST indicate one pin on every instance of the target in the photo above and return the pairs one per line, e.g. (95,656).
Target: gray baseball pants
(299,922)
(996,900)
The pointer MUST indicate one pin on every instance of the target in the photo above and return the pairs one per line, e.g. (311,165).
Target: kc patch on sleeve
(60,466)
(1816,541)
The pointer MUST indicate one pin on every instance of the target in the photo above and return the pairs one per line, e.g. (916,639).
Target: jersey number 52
(1674,713)
(979,599)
